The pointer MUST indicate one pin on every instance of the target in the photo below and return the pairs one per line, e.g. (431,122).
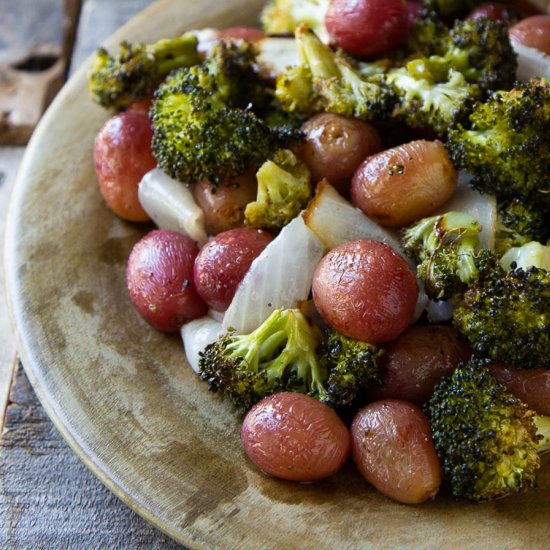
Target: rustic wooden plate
(123,397)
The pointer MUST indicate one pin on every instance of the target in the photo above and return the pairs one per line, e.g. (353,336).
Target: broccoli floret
(352,366)
(424,103)
(427,36)
(326,81)
(278,356)
(505,315)
(518,224)
(203,123)
(444,246)
(533,254)
(505,145)
(284,16)
(488,441)
(283,190)
(479,49)
(116,82)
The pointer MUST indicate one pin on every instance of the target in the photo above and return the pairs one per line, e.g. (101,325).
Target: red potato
(393,449)
(160,280)
(223,262)
(413,9)
(224,205)
(246,33)
(367,28)
(122,156)
(295,437)
(365,290)
(417,360)
(532,386)
(533,32)
(404,184)
(143,106)
(335,146)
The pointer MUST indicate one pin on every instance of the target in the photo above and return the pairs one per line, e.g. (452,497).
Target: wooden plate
(125,400)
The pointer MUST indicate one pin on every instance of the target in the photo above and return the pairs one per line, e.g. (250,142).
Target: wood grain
(34,45)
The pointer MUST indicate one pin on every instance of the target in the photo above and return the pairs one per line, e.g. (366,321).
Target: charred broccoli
(480,50)
(202,119)
(283,190)
(505,315)
(284,16)
(518,224)
(505,145)
(352,366)
(138,69)
(488,441)
(445,248)
(424,103)
(280,355)
(326,81)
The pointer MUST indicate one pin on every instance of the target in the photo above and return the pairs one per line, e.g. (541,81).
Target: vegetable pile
(353,232)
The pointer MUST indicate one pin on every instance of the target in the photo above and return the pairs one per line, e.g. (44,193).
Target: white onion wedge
(336,221)
(480,205)
(531,62)
(171,205)
(280,277)
(196,335)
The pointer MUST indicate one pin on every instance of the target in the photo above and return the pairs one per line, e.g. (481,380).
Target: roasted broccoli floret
(479,49)
(533,254)
(505,315)
(278,356)
(203,123)
(427,36)
(445,248)
(518,224)
(283,190)
(352,366)
(488,441)
(425,103)
(284,16)
(326,81)
(116,82)
(505,145)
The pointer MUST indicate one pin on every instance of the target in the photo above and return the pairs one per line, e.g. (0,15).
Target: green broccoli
(427,36)
(518,224)
(283,191)
(505,145)
(488,441)
(352,366)
(424,103)
(505,315)
(533,254)
(203,122)
(280,355)
(480,50)
(326,81)
(445,248)
(284,16)
(116,82)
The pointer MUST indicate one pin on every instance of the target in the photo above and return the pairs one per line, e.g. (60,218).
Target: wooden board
(35,39)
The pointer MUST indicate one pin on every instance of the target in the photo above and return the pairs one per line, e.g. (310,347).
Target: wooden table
(48,499)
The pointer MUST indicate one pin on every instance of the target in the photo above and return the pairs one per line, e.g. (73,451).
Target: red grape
(122,156)
(367,27)
(393,449)
(223,262)
(293,436)
(365,290)
(160,280)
